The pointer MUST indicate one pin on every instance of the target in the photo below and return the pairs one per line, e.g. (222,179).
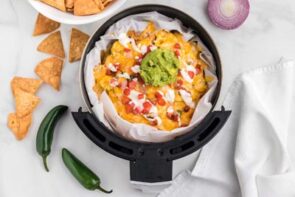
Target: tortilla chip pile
(49,71)
(24,90)
(79,7)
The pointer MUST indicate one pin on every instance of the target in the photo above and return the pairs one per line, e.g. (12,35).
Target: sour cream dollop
(187,98)
(135,69)
(112,68)
(124,75)
(185,75)
(170,96)
(138,103)
(125,40)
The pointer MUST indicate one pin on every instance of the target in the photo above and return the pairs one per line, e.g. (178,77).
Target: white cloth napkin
(250,156)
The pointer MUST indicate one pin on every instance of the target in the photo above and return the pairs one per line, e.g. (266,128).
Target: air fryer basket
(151,162)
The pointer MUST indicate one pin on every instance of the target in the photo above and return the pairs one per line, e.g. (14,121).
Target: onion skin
(239,12)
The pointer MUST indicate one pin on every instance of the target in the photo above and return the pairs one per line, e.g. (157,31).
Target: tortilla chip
(106,2)
(13,123)
(77,44)
(26,84)
(19,126)
(44,25)
(52,45)
(70,4)
(49,70)
(59,4)
(25,102)
(85,7)
(99,3)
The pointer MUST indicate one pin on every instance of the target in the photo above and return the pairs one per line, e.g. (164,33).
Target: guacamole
(159,67)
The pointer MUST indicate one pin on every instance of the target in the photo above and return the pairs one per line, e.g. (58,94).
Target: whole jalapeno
(46,130)
(81,172)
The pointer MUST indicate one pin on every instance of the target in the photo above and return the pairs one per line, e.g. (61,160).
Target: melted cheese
(128,52)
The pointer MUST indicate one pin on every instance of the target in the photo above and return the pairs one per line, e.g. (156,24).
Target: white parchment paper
(103,106)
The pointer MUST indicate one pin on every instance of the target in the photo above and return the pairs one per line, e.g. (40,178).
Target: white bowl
(69,18)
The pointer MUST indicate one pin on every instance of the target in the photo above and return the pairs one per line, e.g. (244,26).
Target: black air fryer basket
(152,162)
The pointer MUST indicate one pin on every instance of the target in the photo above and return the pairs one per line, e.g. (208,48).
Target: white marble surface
(268,34)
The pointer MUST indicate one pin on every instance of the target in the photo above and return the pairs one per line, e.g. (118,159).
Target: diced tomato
(146,107)
(126,50)
(177,46)
(117,66)
(125,100)
(109,72)
(114,82)
(198,69)
(129,107)
(154,123)
(136,110)
(140,96)
(123,84)
(191,74)
(140,80)
(169,115)
(161,102)
(132,84)
(174,117)
(126,91)
(149,49)
(179,83)
(144,111)
(177,53)
(132,104)
(158,95)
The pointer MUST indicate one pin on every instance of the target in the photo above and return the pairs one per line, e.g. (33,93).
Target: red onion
(228,14)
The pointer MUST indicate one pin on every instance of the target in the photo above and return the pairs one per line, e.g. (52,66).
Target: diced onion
(228,14)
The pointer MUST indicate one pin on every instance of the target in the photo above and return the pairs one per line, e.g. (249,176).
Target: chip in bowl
(59,4)
(79,7)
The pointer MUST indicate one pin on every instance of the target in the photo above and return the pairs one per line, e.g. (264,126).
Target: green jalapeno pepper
(46,130)
(81,172)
